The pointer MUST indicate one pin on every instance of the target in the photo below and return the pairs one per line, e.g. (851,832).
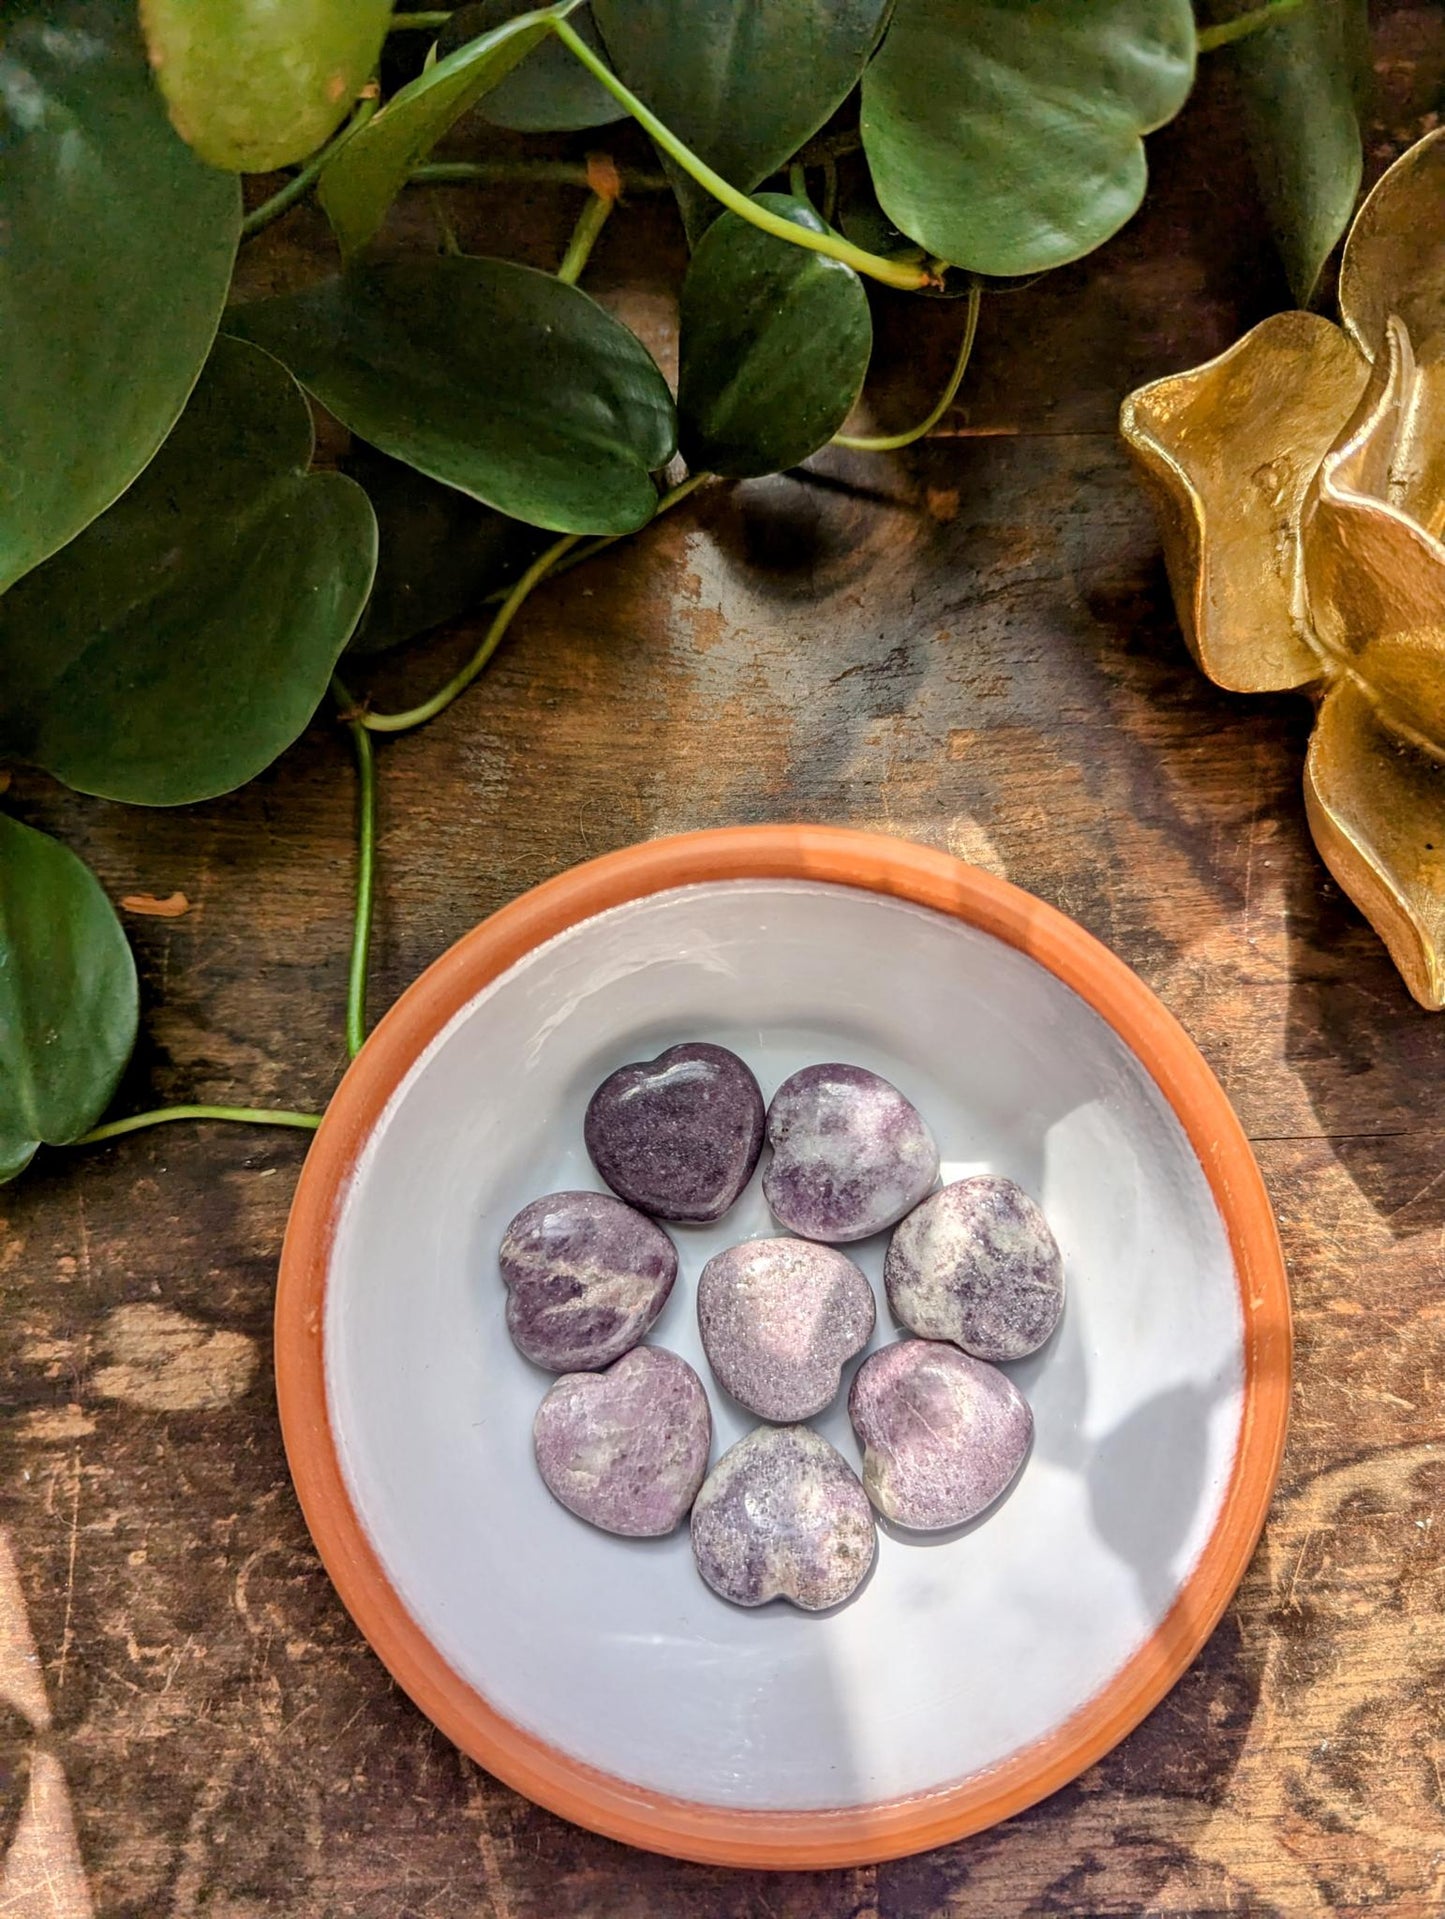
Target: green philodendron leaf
(773,346)
(68,1000)
(1006,137)
(488,376)
(116,249)
(367,174)
(252,85)
(549,91)
(186,638)
(1299,80)
(439,552)
(743,84)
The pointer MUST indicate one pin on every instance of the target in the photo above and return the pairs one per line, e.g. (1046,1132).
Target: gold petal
(1376,806)
(1394,259)
(1374,577)
(1228,452)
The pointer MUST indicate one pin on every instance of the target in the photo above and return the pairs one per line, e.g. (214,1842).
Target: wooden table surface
(971,645)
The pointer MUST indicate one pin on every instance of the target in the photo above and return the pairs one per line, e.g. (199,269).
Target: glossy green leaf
(116,248)
(1299,80)
(252,85)
(1005,137)
(68,1001)
(439,551)
(742,84)
(547,92)
(186,638)
(488,376)
(367,174)
(773,346)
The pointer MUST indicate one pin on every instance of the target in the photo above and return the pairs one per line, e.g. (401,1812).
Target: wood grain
(971,645)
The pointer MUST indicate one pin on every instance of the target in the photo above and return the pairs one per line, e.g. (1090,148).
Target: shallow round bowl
(974,1672)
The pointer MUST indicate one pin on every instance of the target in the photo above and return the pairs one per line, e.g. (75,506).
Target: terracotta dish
(974,1671)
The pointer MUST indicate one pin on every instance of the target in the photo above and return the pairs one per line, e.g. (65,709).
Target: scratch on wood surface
(69,1572)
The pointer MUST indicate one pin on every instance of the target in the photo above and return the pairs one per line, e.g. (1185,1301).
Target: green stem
(797,181)
(891,272)
(590,223)
(416,22)
(163,1115)
(562,173)
(365,869)
(459,682)
(890,442)
(830,188)
(300,184)
(1207,39)
(450,243)
(600,542)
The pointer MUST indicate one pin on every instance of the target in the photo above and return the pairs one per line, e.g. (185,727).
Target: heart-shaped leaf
(1006,137)
(439,550)
(743,85)
(1299,79)
(773,346)
(68,1001)
(186,638)
(366,175)
(116,248)
(488,376)
(252,85)
(549,91)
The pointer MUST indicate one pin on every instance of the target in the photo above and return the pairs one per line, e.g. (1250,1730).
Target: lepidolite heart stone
(626,1449)
(586,1277)
(679,1135)
(778,1318)
(943,1435)
(977,1264)
(782,1515)
(850,1154)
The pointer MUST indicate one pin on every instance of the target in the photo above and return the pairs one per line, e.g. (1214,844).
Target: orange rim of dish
(721,1835)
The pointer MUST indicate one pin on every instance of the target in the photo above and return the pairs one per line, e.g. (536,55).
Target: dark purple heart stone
(782,1515)
(850,1154)
(678,1135)
(626,1449)
(586,1277)
(778,1319)
(943,1434)
(977,1264)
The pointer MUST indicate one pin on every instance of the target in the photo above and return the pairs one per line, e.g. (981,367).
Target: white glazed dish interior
(960,1649)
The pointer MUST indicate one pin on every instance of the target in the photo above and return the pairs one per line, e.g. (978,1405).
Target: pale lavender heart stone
(850,1154)
(778,1318)
(679,1135)
(977,1264)
(586,1277)
(943,1435)
(782,1515)
(626,1449)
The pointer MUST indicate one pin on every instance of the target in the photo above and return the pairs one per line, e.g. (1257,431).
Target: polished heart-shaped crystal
(850,1154)
(626,1449)
(586,1277)
(679,1135)
(778,1319)
(978,1265)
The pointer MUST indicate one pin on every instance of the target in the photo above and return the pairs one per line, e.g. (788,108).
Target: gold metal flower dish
(1300,484)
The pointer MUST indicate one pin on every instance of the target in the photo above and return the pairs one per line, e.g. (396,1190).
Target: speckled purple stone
(626,1449)
(586,1277)
(678,1135)
(850,1154)
(977,1264)
(782,1515)
(942,1434)
(778,1318)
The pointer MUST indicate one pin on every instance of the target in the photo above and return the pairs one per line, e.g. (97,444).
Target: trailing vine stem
(164,1115)
(365,867)
(1208,39)
(892,273)
(890,442)
(590,223)
(417,22)
(301,182)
